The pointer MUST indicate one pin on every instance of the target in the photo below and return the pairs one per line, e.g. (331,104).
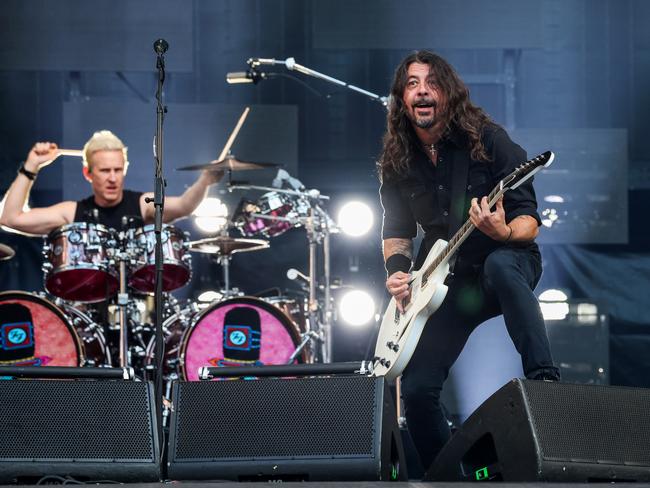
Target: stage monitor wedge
(86,429)
(296,429)
(547,431)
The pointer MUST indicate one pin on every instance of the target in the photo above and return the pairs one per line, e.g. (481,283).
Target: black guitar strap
(457,213)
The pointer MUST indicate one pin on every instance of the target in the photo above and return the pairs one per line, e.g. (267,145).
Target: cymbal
(226,245)
(6,252)
(229,163)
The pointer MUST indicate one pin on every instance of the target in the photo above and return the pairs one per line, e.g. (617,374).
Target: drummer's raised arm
(37,220)
(184,205)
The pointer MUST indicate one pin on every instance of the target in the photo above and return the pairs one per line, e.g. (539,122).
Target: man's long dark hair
(400,141)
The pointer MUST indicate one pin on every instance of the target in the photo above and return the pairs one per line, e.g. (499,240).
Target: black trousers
(504,285)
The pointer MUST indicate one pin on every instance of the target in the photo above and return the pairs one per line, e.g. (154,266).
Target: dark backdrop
(566,75)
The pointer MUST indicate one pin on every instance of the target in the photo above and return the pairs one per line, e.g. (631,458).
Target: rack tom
(177,262)
(80,262)
(273,214)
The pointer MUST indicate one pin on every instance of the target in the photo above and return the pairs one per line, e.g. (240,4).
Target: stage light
(554,310)
(355,218)
(209,296)
(211,215)
(549,216)
(357,307)
(553,304)
(553,295)
(554,199)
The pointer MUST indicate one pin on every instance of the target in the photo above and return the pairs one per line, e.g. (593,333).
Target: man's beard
(425,122)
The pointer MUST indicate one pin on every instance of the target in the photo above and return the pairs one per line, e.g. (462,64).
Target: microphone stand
(160,46)
(290,64)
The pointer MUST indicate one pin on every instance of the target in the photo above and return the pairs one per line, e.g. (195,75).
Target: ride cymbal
(230,163)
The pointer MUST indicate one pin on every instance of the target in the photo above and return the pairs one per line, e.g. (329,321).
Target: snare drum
(80,265)
(177,262)
(273,214)
(236,332)
(35,332)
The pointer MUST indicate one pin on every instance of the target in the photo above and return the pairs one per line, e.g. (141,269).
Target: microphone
(160,46)
(293,274)
(254,62)
(249,76)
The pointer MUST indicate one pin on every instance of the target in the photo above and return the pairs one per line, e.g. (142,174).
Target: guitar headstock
(527,170)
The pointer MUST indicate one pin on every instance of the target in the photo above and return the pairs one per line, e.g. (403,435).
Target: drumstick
(70,152)
(231,139)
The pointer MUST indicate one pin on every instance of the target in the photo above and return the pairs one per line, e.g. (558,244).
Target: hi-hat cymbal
(6,252)
(225,245)
(229,163)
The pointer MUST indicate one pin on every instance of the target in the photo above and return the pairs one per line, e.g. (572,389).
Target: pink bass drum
(236,332)
(80,265)
(35,332)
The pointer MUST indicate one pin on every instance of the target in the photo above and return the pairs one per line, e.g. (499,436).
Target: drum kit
(98,306)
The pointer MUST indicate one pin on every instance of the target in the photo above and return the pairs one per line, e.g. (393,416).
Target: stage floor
(352,484)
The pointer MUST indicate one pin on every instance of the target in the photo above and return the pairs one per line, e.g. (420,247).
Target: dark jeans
(505,286)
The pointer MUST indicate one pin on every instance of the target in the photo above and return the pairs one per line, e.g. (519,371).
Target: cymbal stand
(327,309)
(122,303)
(224,261)
(312,303)
(319,226)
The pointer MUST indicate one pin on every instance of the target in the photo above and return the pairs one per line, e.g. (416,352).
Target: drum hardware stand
(122,303)
(318,232)
(319,226)
(224,261)
(160,47)
(306,338)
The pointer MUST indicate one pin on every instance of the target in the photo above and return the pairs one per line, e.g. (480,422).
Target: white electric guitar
(400,332)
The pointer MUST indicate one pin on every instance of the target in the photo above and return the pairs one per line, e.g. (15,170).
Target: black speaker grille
(75,420)
(276,418)
(587,423)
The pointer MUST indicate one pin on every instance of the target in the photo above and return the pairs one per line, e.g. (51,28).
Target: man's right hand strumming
(397,285)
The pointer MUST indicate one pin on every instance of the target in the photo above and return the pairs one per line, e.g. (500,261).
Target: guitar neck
(460,236)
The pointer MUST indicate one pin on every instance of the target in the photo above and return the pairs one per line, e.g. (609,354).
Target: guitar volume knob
(392,346)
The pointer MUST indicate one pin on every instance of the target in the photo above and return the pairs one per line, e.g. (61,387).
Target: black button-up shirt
(423,195)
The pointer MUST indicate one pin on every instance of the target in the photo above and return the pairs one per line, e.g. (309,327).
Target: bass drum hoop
(95,331)
(26,296)
(289,325)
